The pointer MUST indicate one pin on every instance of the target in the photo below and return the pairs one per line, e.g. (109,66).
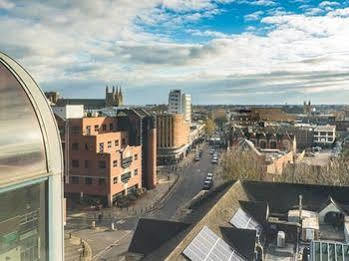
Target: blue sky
(220,51)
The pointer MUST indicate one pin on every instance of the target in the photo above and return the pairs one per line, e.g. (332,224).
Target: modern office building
(186,106)
(31,191)
(175,102)
(180,103)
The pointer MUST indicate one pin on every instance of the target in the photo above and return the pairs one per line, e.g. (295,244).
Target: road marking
(109,247)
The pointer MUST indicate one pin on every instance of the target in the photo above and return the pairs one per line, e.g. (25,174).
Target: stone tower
(113,98)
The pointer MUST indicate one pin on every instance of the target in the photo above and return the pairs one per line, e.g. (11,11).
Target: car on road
(209,174)
(214,161)
(211,151)
(209,178)
(207,184)
(197,158)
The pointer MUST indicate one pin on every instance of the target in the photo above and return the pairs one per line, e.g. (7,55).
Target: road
(190,183)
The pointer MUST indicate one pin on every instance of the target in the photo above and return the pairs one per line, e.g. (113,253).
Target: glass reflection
(21,143)
(22,224)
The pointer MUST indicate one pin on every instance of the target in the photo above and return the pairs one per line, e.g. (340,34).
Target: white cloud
(103,41)
(328,3)
(340,13)
(314,11)
(253,16)
(5,4)
(207,33)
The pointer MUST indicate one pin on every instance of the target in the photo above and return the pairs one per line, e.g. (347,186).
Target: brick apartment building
(141,126)
(100,161)
(172,137)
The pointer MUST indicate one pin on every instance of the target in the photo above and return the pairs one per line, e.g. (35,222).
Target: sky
(219,51)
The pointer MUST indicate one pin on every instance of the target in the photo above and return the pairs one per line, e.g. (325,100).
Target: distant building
(112,99)
(172,138)
(307,108)
(186,104)
(266,138)
(175,102)
(53,97)
(325,135)
(180,103)
(31,168)
(100,160)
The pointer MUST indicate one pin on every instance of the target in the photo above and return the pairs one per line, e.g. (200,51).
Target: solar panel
(208,246)
(243,220)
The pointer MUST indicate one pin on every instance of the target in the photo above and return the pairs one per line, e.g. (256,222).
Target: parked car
(207,185)
(209,174)
(197,158)
(209,178)
(214,161)
(211,151)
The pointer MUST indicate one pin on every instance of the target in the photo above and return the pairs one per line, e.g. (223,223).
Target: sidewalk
(76,249)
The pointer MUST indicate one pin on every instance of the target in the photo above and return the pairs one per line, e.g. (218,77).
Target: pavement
(165,203)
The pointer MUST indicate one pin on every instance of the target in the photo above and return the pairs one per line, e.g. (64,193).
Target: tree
(240,165)
(336,173)
(210,126)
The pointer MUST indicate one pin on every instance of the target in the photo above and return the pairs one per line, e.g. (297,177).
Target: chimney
(300,207)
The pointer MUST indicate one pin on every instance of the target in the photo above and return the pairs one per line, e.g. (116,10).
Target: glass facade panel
(22,150)
(23,226)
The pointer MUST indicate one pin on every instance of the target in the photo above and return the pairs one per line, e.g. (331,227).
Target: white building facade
(324,135)
(180,103)
(186,106)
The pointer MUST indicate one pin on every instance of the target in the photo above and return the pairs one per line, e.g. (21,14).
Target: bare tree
(335,173)
(242,165)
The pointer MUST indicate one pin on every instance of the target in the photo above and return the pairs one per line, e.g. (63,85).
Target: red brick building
(100,161)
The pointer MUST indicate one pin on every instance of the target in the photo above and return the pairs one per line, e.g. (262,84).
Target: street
(191,183)
(107,245)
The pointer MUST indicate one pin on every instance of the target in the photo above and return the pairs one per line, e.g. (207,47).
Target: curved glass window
(22,150)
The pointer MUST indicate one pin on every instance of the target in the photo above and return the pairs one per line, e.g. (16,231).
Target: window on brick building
(96,128)
(101,181)
(111,126)
(136,156)
(101,147)
(75,130)
(101,164)
(75,146)
(87,163)
(115,163)
(75,180)
(115,180)
(136,172)
(116,143)
(123,142)
(88,130)
(109,144)
(104,127)
(86,146)
(88,181)
(75,163)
